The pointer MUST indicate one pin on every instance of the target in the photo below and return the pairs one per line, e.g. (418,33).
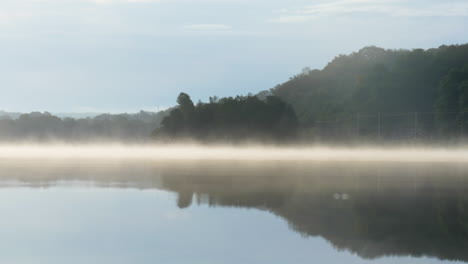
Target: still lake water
(232,212)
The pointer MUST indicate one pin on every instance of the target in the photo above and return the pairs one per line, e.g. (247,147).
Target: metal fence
(394,126)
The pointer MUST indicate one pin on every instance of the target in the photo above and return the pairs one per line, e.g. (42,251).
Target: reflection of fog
(372,209)
(341,196)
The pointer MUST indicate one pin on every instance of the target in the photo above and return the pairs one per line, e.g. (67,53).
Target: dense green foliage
(374,80)
(453,98)
(231,118)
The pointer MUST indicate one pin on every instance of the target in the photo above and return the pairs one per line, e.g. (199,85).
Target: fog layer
(225,152)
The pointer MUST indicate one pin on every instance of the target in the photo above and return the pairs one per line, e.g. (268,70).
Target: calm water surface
(232,212)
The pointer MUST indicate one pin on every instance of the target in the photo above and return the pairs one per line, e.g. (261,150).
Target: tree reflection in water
(371,209)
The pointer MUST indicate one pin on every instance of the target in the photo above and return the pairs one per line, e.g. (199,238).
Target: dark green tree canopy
(373,80)
(231,118)
(452,97)
(185,103)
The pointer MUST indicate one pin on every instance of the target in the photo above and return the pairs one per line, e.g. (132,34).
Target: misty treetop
(453,98)
(230,118)
(374,80)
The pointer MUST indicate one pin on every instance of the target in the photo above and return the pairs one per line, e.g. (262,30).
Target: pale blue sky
(127,55)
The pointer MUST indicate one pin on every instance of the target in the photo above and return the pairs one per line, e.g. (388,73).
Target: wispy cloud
(291,18)
(124,1)
(396,8)
(90,1)
(206,27)
(11,17)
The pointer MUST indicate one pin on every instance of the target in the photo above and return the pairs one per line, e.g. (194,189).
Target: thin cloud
(11,17)
(395,8)
(100,2)
(207,27)
(124,1)
(285,19)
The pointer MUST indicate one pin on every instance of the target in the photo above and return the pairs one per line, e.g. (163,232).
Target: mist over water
(229,152)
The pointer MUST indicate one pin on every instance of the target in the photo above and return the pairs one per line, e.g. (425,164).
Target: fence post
(357,125)
(462,124)
(378,125)
(415,124)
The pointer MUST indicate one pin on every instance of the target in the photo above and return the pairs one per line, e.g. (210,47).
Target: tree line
(229,119)
(37,126)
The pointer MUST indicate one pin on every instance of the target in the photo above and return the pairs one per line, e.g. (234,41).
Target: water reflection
(373,210)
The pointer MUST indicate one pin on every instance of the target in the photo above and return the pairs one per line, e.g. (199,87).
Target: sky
(128,55)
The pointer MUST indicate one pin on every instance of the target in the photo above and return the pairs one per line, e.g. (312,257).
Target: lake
(145,211)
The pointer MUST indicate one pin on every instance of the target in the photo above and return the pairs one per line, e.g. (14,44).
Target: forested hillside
(374,80)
